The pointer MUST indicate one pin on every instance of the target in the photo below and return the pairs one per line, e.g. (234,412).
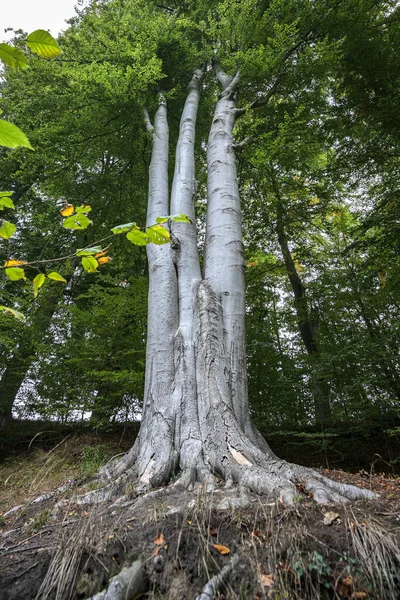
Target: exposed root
(129,583)
(212,587)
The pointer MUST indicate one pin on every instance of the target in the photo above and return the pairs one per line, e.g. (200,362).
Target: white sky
(35,14)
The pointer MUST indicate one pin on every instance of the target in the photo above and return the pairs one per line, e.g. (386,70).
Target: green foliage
(39,521)
(93,457)
(326,143)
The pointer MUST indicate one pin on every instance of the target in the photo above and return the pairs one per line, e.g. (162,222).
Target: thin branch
(238,146)
(149,125)
(61,258)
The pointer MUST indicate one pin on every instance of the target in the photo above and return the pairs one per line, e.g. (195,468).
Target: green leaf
(12,137)
(13,57)
(7,230)
(5,200)
(123,228)
(158,235)
(83,209)
(137,237)
(15,273)
(38,282)
(181,218)
(43,44)
(14,313)
(88,251)
(77,222)
(162,219)
(90,264)
(56,276)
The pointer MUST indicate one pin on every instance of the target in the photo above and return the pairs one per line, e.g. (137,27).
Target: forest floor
(56,548)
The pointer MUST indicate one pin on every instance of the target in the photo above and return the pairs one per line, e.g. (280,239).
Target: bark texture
(196,421)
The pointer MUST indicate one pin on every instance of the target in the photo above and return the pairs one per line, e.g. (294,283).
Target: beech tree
(273,57)
(196,419)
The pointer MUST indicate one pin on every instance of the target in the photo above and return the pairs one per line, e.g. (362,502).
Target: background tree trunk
(308,324)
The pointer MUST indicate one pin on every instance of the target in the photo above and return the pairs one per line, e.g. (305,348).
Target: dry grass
(38,471)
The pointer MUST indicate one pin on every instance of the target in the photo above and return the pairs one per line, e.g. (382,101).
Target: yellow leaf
(160,540)
(38,282)
(14,263)
(103,252)
(68,210)
(221,549)
(103,260)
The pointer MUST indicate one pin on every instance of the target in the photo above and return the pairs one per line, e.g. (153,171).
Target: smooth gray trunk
(196,420)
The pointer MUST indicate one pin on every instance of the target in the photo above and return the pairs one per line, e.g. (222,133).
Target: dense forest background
(319,176)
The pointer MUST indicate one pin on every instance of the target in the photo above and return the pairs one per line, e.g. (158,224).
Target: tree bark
(307,324)
(196,420)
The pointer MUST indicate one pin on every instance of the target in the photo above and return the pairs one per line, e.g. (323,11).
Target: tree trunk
(19,364)
(196,422)
(10,384)
(308,326)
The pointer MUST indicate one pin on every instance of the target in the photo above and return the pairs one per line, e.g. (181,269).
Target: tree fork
(196,418)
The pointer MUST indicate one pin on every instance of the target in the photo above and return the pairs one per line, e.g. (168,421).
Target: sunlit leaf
(13,57)
(56,277)
(88,251)
(90,264)
(14,313)
(15,273)
(7,230)
(123,228)
(5,200)
(77,222)
(104,260)
(137,237)
(67,210)
(14,263)
(158,235)
(83,209)
(12,137)
(221,549)
(181,218)
(38,282)
(43,44)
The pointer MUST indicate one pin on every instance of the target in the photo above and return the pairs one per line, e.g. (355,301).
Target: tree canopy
(317,151)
